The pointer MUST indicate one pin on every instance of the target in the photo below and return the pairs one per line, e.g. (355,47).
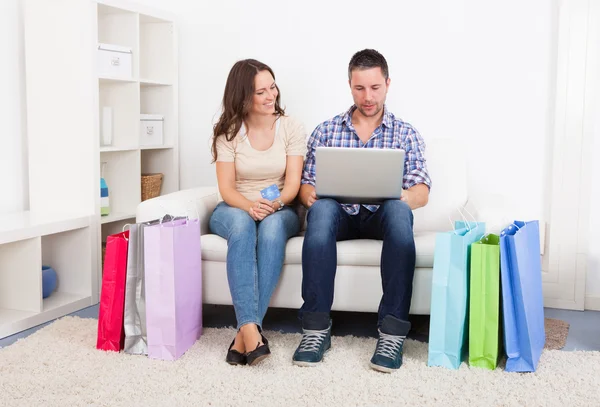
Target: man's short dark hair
(366,59)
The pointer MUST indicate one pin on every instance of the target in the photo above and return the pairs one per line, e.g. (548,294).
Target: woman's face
(265,94)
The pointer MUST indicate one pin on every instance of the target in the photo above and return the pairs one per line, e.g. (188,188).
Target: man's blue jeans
(328,222)
(255,253)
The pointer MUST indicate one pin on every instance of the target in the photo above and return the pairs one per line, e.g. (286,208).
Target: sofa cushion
(359,252)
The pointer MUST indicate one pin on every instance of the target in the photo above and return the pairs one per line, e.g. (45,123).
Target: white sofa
(358,282)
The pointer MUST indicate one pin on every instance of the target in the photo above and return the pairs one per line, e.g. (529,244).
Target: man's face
(369,90)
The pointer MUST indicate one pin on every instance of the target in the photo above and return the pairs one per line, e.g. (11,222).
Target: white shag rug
(59,366)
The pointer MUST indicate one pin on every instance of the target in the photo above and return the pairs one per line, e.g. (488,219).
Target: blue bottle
(104,202)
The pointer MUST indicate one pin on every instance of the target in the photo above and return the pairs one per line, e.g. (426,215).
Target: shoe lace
(312,340)
(389,345)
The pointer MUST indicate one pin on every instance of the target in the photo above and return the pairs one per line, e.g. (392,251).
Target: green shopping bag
(484,307)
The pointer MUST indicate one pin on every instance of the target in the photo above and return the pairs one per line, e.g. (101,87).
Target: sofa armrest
(194,202)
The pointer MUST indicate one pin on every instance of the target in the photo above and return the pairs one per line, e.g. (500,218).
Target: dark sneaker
(316,339)
(388,352)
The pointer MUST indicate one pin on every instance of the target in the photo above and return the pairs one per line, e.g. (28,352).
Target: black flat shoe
(260,353)
(234,357)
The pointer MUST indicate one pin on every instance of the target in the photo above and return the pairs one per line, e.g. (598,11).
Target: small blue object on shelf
(48,281)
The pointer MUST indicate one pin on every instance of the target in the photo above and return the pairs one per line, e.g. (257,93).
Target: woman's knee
(227,222)
(279,226)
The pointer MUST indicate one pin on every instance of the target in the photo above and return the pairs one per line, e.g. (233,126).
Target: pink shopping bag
(173,273)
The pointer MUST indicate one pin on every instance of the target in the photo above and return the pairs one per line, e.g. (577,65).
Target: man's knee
(322,222)
(323,209)
(398,211)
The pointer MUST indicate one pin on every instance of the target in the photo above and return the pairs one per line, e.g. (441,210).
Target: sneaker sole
(382,369)
(309,364)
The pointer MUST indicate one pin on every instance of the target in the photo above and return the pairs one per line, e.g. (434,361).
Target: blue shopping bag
(448,327)
(522,298)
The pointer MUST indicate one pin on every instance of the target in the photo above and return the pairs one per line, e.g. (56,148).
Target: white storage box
(151,130)
(114,61)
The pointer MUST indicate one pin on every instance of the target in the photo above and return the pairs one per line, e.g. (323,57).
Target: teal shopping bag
(448,329)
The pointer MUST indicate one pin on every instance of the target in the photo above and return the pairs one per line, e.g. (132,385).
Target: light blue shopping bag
(522,298)
(448,329)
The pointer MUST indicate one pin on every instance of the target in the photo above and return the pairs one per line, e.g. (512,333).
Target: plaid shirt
(391,133)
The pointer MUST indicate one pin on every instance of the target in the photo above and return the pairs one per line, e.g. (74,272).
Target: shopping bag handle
(467,225)
(174,217)
(466,210)
(127,225)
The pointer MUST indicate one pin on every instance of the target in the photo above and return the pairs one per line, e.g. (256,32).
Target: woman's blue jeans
(255,253)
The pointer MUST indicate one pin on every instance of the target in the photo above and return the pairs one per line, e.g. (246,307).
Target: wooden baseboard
(592,303)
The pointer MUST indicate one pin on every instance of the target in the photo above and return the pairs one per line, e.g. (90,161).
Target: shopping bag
(135,298)
(173,287)
(112,295)
(484,304)
(448,330)
(522,298)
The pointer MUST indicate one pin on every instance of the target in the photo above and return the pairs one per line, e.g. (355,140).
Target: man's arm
(307,193)
(416,196)
(417,182)
(308,196)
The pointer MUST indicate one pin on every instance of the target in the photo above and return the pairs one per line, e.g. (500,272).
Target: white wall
(478,72)
(13,161)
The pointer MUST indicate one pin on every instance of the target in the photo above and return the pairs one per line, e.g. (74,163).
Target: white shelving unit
(63,227)
(152,89)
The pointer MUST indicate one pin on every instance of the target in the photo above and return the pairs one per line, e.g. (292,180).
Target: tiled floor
(584,330)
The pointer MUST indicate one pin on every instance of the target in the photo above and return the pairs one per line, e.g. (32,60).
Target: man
(367,124)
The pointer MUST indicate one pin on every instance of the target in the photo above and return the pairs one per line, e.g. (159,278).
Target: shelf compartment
(122,176)
(69,254)
(156,49)
(119,27)
(115,227)
(21,276)
(123,98)
(163,161)
(159,100)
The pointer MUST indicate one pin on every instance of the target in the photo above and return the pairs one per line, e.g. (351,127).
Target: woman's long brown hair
(237,100)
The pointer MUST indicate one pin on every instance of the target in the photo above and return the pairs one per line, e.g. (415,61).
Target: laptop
(359,175)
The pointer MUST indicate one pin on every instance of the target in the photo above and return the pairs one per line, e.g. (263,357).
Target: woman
(255,146)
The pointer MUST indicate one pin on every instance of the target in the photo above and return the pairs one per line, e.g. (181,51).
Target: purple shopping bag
(173,275)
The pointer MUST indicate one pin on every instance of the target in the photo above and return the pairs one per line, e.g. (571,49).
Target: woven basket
(151,184)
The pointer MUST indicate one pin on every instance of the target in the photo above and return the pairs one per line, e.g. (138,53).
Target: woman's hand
(260,209)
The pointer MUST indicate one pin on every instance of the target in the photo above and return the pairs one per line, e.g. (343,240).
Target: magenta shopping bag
(173,275)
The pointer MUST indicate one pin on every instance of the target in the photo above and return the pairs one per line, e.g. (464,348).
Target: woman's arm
(231,196)
(293,174)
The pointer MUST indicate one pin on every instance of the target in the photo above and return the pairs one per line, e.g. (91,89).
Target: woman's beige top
(255,169)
